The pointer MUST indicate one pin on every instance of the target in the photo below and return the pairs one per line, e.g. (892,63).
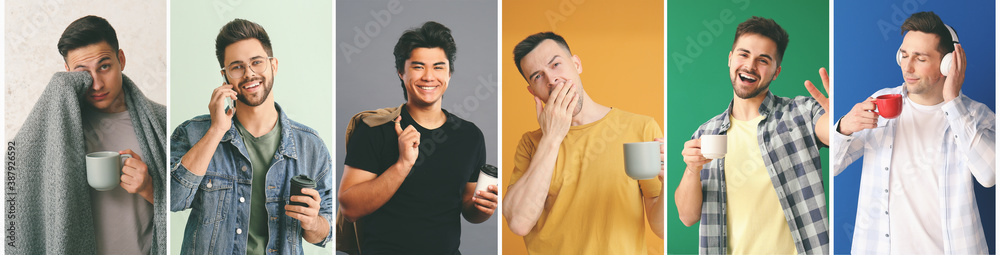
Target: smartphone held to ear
(229,101)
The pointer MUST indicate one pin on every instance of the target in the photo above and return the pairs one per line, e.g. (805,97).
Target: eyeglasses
(257,65)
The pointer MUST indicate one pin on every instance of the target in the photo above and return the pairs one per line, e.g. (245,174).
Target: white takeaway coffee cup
(487,176)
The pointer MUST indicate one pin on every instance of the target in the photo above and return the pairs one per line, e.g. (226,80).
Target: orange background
(621,49)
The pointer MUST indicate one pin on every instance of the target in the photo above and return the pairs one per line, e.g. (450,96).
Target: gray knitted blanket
(47,199)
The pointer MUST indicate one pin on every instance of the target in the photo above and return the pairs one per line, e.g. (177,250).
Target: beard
(749,93)
(922,86)
(579,106)
(267,84)
(579,102)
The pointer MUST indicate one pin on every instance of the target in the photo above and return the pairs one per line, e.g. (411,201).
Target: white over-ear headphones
(945,62)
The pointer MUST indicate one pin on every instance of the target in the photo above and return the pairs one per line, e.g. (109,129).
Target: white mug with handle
(642,160)
(104,169)
(713,146)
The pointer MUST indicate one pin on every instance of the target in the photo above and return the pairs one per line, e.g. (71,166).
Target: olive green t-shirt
(261,151)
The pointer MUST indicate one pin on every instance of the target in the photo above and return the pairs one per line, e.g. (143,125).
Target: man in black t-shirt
(408,180)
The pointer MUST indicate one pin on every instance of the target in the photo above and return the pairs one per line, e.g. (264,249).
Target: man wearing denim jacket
(233,166)
(916,192)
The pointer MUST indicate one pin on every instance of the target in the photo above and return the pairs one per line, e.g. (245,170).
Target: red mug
(889,105)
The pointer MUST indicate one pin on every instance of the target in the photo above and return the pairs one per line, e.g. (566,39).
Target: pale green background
(301,35)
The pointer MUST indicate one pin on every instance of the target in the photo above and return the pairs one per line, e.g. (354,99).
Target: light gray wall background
(32,29)
(366,79)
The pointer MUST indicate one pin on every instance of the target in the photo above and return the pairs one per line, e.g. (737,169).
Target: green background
(698,82)
(301,34)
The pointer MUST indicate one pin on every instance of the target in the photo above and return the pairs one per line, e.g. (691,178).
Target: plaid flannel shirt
(968,148)
(792,159)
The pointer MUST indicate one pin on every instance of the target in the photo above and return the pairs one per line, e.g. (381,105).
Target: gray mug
(104,169)
(642,160)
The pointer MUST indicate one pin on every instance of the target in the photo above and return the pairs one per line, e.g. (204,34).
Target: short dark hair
(430,35)
(767,28)
(86,31)
(528,44)
(928,22)
(238,30)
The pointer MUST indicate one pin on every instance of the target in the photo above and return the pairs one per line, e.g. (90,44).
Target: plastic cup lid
(303,181)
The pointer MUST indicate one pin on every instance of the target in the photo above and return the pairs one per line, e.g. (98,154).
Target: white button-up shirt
(968,148)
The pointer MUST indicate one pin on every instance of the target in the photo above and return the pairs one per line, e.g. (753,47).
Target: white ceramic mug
(642,160)
(104,169)
(713,146)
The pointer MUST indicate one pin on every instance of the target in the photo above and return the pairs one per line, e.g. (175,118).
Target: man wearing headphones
(916,191)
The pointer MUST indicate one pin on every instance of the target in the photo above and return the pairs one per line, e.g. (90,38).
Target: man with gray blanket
(94,107)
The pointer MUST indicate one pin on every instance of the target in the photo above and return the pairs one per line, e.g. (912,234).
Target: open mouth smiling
(747,78)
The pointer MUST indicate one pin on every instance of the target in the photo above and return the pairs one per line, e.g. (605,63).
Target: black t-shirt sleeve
(362,152)
(479,154)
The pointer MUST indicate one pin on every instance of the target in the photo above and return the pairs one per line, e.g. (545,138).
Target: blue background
(864,63)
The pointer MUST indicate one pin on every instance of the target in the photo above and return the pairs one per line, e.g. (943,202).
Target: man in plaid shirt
(916,193)
(766,196)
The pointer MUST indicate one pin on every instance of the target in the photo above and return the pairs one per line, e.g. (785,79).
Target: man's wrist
(404,165)
(315,224)
(837,128)
(695,172)
(216,132)
(147,194)
(551,139)
(949,98)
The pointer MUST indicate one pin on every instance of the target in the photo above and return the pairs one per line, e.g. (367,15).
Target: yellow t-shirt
(593,207)
(755,222)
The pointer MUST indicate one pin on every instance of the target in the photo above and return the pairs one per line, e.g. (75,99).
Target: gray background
(367,79)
